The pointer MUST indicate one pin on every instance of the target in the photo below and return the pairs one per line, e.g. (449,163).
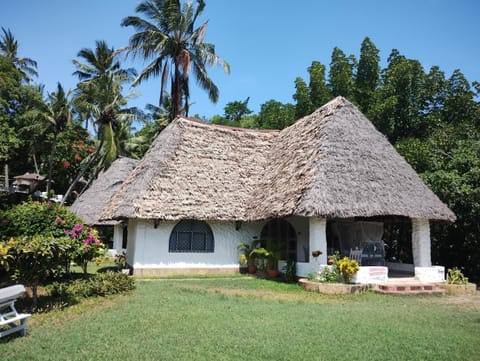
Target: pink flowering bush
(85,244)
(33,218)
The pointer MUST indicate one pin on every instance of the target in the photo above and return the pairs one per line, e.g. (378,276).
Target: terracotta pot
(252,269)
(272,273)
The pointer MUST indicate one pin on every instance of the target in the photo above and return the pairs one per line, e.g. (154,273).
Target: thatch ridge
(332,163)
(89,205)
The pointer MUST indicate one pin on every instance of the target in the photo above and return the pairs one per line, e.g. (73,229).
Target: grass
(251,319)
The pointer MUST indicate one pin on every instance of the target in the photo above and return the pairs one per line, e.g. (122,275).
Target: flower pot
(252,269)
(243,269)
(272,273)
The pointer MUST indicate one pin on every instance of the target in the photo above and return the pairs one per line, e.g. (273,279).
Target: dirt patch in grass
(279,296)
(467,302)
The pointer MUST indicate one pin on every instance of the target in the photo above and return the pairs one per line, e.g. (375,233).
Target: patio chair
(356,254)
(10,320)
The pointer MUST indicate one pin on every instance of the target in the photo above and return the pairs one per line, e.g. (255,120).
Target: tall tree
(167,37)
(236,110)
(459,105)
(59,115)
(319,93)
(275,115)
(398,111)
(341,75)
(303,104)
(9,50)
(368,73)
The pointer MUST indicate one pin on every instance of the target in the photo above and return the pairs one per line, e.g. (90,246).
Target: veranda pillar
(421,242)
(318,239)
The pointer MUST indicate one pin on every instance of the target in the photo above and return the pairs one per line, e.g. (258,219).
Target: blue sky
(268,43)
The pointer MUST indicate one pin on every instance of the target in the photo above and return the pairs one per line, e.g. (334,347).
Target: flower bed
(332,288)
(459,290)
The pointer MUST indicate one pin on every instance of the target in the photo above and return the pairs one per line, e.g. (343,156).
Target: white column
(421,242)
(318,239)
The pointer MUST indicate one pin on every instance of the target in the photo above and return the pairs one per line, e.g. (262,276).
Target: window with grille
(191,236)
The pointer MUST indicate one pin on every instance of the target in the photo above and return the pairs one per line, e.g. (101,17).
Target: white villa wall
(147,248)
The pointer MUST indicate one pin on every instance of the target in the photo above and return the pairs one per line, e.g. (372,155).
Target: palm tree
(167,37)
(9,49)
(99,74)
(99,98)
(59,115)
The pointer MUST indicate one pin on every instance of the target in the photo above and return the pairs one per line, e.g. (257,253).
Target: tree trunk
(35,161)
(35,295)
(84,266)
(7,184)
(50,163)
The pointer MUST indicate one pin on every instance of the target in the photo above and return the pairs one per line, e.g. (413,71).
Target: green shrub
(102,284)
(46,219)
(329,275)
(32,218)
(85,245)
(35,258)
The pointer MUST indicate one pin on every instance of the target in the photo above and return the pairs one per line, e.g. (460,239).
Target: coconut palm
(100,74)
(99,98)
(167,38)
(9,49)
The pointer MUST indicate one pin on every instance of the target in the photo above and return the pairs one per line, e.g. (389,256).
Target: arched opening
(283,234)
(191,236)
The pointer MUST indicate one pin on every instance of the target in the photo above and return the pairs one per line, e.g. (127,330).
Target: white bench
(10,320)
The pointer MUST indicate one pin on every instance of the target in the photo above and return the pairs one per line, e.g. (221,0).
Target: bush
(34,259)
(102,284)
(32,218)
(85,245)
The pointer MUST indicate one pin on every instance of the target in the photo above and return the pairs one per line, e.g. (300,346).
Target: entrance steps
(408,286)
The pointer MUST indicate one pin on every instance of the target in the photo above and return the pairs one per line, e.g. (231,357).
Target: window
(191,236)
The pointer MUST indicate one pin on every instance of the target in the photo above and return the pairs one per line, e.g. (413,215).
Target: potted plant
(348,268)
(121,260)
(272,254)
(243,261)
(316,253)
(290,270)
(246,251)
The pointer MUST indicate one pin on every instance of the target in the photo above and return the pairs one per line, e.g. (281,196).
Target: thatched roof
(90,204)
(332,163)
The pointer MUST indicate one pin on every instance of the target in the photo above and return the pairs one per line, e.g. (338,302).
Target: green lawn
(249,319)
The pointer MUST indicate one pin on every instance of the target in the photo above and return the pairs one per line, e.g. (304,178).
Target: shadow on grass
(108,269)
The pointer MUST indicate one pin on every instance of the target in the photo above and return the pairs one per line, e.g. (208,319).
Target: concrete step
(410,289)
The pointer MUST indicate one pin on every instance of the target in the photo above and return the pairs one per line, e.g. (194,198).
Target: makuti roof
(331,163)
(90,204)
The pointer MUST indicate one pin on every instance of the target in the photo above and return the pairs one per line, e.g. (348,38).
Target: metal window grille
(191,236)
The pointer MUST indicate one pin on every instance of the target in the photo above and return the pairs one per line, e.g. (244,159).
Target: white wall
(147,246)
